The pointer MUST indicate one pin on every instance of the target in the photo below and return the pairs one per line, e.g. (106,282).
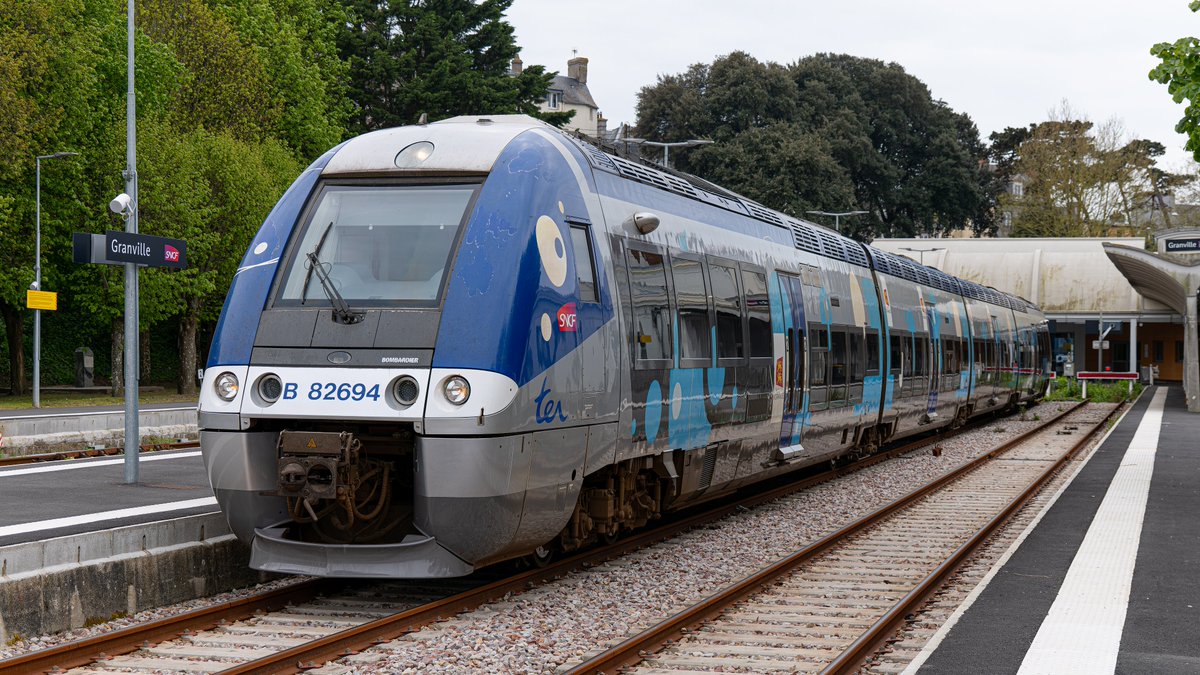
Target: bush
(1069,389)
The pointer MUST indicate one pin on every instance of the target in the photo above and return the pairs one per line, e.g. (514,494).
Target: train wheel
(610,539)
(541,556)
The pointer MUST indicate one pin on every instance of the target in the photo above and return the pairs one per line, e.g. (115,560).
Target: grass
(1098,392)
(72,400)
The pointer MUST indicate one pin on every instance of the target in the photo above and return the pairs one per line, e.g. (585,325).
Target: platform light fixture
(922,251)
(667,146)
(837,217)
(37,277)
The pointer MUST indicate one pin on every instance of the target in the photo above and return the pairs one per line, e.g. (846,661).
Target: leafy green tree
(1179,69)
(438,57)
(829,132)
(296,41)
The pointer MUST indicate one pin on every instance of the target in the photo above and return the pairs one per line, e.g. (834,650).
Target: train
(482,339)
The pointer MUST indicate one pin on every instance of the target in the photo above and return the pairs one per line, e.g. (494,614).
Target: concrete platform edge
(69,582)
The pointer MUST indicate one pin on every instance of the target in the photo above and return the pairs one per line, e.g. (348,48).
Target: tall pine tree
(439,57)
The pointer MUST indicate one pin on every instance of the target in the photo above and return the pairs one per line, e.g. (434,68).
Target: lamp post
(922,251)
(837,217)
(37,277)
(667,146)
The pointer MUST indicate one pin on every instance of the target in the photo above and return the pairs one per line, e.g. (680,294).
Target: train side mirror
(645,222)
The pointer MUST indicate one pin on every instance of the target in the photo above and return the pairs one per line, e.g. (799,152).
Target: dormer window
(554,100)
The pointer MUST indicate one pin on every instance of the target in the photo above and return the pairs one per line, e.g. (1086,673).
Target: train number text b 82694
(332,391)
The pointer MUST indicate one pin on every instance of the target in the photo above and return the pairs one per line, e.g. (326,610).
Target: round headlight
(270,387)
(406,389)
(456,389)
(226,386)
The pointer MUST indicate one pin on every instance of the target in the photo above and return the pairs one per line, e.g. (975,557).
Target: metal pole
(37,282)
(132,435)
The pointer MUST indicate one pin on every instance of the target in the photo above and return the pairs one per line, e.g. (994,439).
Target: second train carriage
(525,344)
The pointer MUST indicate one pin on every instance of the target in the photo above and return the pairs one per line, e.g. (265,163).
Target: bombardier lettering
(399,359)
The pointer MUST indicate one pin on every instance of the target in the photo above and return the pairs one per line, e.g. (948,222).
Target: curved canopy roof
(1161,277)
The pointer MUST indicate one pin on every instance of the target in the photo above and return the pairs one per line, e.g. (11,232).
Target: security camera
(120,204)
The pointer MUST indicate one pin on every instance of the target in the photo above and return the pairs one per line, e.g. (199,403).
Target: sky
(1002,63)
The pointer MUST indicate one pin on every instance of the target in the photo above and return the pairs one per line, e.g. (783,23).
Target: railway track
(92,452)
(302,626)
(828,607)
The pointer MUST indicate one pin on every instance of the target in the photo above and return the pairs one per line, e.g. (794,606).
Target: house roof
(574,91)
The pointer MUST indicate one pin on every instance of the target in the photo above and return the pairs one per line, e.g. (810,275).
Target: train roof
(471,144)
(806,236)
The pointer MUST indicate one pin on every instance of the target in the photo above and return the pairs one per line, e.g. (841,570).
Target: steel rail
(88,650)
(339,644)
(861,649)
(312,654)
(631,650)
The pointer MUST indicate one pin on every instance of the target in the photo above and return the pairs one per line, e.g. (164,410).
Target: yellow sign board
(41,300)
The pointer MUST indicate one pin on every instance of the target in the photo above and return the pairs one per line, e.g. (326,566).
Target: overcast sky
(1003,63)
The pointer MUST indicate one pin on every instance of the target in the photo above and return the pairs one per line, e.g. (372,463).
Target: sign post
(132,250)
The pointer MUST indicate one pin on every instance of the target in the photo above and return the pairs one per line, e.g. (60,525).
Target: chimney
(601,125)
(516,66)
(577,69)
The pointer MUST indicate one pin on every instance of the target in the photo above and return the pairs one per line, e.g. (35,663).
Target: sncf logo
(170,253)
(567,321)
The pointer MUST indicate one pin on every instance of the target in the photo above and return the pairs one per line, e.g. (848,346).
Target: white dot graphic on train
(676,401)
(546,327)
(553,250)
(262,246)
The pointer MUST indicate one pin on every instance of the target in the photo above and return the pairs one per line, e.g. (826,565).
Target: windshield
(379,244)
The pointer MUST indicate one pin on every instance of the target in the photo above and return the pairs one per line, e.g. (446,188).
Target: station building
(1143,303)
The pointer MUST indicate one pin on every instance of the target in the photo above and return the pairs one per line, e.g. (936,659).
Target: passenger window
(727,301)
(584,267)
(651,311)
(818,352)
(858,361)
(691,296)
(896,349)
(872,352)
(837,358)
(758,311)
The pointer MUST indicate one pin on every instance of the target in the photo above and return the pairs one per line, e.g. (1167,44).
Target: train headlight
(456,389)
(270,387)
(226,386)
(406,390)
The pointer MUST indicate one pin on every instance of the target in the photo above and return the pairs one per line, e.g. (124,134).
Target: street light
(667,146)
(922,251)
(37,279)
(837,217)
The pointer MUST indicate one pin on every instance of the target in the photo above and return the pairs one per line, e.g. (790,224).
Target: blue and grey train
(482,339)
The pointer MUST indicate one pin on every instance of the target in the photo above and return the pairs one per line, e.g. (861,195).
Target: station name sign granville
(1182,245)
(115,248)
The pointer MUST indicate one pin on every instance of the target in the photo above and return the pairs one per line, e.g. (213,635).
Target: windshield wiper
(341,309)
(312,255)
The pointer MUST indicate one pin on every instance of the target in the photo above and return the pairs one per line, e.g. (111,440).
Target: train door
(794,356)
(597,356)
(933,360)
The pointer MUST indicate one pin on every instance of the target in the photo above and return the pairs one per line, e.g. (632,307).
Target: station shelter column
(1191,355)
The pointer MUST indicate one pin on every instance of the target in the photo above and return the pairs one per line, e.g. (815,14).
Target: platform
(1104,581)
(52,499)
(44,429)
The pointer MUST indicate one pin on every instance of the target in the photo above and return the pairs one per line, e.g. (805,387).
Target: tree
(1179,69)
(845,133)
(438,57)
(1081,179)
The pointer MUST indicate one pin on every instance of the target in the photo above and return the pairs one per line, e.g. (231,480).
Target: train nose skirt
(417,556)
